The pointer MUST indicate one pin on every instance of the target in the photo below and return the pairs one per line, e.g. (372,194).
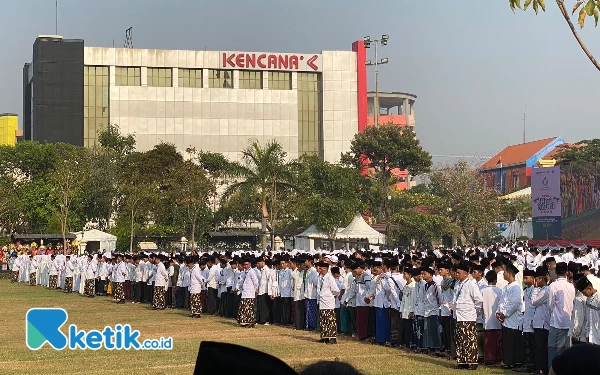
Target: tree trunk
(265,214)
(131,232)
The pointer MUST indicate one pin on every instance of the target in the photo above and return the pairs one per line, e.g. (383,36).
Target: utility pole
(384,41)
(524,119)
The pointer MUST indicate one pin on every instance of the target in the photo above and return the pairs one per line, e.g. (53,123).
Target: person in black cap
(196,285)
(561,295)
(432,302)
(510,315)
(69,269)
(250,284)
(529,353)
(492,334)
(91,268)
(328,291)
(585,286)
(539,299)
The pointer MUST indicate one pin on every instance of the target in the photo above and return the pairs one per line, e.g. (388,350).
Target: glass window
(127,76)
(96,102)
(280,81)
(160,77)
(190,78)
(309,109)
(250,79)
(222,79)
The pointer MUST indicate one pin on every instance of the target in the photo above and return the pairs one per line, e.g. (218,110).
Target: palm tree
(264,169)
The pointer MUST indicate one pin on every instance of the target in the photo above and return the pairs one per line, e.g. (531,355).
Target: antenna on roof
(128,38)
(524,121)
(56,17)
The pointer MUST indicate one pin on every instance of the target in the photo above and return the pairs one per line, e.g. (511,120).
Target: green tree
(67,181)
(585,151)
(265,170)
(469,203)
(423,228)
(385,148)
(217,168)
(191,191)
(584,9)
(328,196)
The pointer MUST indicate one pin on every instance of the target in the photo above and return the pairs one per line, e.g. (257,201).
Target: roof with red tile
(516,154)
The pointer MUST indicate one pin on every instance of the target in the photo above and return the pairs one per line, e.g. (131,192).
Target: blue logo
(43,326)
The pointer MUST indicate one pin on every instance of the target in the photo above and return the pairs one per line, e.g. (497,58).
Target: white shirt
(511,305)
(529,310)
(561,295)
(263,287)
(327,291)
(90,270)
(407,305)
(419,298)
(379,290)
(501,281)
(213,277)
(491,299)
(102,270)
(539,300)
(396,283)
(196,280)
(162,276)
(432,300)
(310,286)
(139,272)
(69,268)
(467,300)
(593,332)
(285,283)
(54,266)
(297,285)
(250,284)
(120,272)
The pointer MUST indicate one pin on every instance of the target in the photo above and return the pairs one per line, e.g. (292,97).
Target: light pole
(383,41)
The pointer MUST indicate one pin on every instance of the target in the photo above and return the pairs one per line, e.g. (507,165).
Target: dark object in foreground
(578,359)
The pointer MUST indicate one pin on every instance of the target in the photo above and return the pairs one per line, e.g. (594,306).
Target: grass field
(294,347)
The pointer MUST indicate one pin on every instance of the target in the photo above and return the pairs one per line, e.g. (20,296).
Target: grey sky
(472,63)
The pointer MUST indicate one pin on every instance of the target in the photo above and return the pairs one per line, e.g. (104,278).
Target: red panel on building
(361,72)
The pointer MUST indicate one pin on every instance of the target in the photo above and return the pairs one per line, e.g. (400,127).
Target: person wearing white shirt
(91,268)
(195,288)
(69,272)
(529,349)
(448,286)
(465,303)
(593,302)
(130,278)
(568,256)
(541,320)
(432,302)
(237,287)
(419,326)
(33,271)
(378,293)
(263,300)
(285,292)
(510,314)
(327,291)
(119,273)
(335,272)
(186,276)
(212,284)
(310,294)
(408,337)
(358,293)
(229,282)
(161,283)
(499,269)
(347,308)
(561,295)
(101,276)
(140,266)
(396,283)
(250,284)
(274,294)
(492,334)
(298,308)
(16,267)
(54,266)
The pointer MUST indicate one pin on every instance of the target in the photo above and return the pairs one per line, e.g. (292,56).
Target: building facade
(9,129)
(208,100)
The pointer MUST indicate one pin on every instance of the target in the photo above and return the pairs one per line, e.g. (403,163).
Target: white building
(210,100)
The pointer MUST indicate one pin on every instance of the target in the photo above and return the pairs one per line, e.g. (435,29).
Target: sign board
(546,203)
(271,61)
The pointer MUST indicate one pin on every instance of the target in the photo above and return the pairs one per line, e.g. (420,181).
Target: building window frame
(159,77)
(250,79)
(128,76)
(280,80)
(189,78)
(220,78)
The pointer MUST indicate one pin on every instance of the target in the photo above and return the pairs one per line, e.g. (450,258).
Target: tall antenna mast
(128,38)
(524,121)
(56,17)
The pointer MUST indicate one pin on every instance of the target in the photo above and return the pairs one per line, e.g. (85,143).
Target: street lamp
(383,41)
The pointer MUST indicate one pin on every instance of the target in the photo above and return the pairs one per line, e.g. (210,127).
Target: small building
(510,169)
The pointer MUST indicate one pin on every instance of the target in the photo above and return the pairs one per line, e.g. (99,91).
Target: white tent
(306,239)
(359,229)
(97,240)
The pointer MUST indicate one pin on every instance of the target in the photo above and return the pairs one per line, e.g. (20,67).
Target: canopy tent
(519,194)
(306,239)
(359,229)
(94,240)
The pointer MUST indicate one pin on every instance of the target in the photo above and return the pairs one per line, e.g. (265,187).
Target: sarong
(431,338)
(89,287)
(529,349)
(419,328)
(382,326)
(558,340)
(311,314)
(346,324)
(395,326)
(246,312)
(15,276)
(540,338)
(362,322)
(195,304)
(512,346)
(479,341)
(69,284)
(466,343)
(328,324)
(492,346)
(119,291)
(159,300)
(300,314)
(53,281)
(32,279)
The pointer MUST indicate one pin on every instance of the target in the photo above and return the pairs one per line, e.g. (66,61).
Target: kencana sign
(271,61)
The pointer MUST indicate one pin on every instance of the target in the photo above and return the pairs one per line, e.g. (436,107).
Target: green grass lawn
(294,347)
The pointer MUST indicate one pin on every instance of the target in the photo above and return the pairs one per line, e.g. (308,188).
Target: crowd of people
(501,305)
